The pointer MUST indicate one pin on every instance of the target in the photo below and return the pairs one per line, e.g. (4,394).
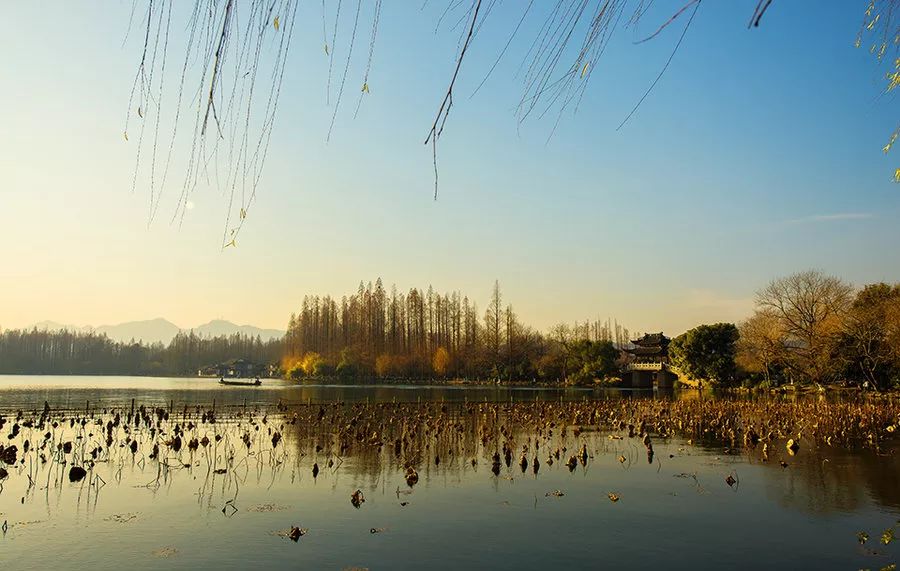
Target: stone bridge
(655,375)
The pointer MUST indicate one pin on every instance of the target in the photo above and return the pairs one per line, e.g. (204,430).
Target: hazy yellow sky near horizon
(675,220)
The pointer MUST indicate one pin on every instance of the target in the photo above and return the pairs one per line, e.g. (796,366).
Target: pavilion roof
(652,339)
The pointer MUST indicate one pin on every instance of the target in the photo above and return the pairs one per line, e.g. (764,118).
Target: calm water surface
(674,511)
(78,392)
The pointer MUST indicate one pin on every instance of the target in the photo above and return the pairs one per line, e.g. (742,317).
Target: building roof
(650,339)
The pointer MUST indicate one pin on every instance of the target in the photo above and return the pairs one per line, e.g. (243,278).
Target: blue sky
(757,155)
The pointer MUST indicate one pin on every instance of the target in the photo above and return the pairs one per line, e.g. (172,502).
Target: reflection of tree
(376,442)
(371,441)
(371,446)
(828,480)
(881,474)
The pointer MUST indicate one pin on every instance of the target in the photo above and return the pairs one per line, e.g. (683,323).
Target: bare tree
(809,307)
(493,319)
(761,343)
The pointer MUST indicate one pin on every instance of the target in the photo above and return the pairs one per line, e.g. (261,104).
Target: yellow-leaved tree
(310,363)
(383,365)
(441,361)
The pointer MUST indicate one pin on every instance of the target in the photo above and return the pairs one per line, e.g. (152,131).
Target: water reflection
(185,485)
(826,479)
(74,392)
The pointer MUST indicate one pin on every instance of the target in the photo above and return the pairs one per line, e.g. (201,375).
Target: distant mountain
(162,330)
(218,327)
(150,331)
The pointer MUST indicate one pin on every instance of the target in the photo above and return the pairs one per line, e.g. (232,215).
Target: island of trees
(423,334)
(807,328)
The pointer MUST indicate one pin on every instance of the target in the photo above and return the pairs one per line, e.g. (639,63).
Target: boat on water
(240,382)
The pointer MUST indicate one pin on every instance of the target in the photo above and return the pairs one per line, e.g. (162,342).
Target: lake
(77,392)
(179,482)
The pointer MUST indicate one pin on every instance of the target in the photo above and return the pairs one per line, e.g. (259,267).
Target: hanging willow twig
(444,110)
(236,54)
(665,67)
(365,85)
(232,124)
(337,104)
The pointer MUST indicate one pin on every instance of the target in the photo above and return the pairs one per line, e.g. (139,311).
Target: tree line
(78,353)
(807,328)
(376,333)
(811,327)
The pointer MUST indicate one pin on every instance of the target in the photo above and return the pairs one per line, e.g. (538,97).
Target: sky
(757,154)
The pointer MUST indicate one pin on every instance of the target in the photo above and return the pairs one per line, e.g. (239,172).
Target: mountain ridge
(161,330)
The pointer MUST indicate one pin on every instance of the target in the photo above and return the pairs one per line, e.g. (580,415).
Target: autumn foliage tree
(869,344)
(441,361)
(761,345)
(420,333)
(809,308)
(810,327)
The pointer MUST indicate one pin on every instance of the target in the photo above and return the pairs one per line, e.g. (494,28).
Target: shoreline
(464,383)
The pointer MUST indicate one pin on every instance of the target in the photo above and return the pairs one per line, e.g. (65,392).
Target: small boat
(241,382)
